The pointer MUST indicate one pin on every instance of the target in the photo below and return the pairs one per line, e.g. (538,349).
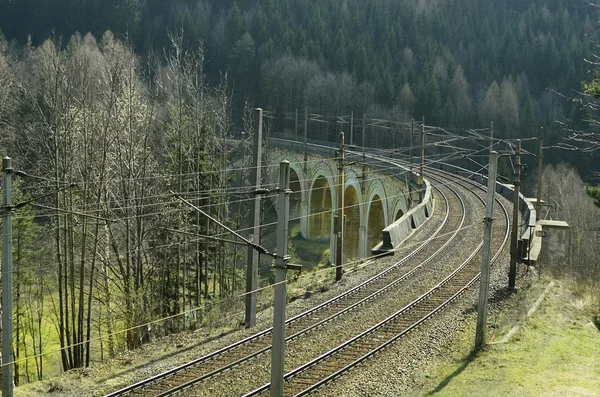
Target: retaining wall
(397,232)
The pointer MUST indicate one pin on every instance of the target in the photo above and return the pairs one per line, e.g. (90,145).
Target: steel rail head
(392,317)
(439,308)
(330,318)
(173,371)
(295,318)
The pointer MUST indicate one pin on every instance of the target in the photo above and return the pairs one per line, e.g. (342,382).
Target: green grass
(556,353)
(51,346)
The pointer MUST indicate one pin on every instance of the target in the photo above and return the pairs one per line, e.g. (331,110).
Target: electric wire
(193,310)
(451,156)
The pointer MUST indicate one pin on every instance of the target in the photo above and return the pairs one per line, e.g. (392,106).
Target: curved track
(219,361)
(314,374)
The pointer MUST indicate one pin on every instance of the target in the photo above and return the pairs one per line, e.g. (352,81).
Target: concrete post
(484,281)
(254,217)
(305,139)
(278,349)
(512,274)
(538,204)
(421,171)
(7,301)
(340,213)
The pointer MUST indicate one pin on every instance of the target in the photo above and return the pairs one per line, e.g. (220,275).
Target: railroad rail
(199,370)
(327,367)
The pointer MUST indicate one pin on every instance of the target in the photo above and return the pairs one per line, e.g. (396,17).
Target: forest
(107,106)
(457,63)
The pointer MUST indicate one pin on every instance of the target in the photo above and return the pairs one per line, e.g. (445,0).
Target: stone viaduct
(373,199)
(382,202)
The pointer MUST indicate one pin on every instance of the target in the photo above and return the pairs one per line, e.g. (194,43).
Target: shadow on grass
(454,374)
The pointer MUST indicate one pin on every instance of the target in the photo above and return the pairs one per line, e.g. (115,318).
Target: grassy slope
(556,353)
(308,253)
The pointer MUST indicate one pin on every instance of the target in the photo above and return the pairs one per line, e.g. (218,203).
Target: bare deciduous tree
(569,202)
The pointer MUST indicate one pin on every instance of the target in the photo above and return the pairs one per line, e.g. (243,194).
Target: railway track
(324,369)
(219,361)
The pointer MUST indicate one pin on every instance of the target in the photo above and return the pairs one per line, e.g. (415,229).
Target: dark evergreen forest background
(458,63)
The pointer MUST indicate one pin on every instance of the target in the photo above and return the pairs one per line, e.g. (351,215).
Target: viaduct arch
(372,200)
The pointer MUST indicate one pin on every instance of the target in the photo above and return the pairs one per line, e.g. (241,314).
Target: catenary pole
(410,151)
(254,217)
(340,213)
(492,137)
(421,171)
(283,215)
(363,176)
(484,281)
(352,128)
(296,125)
(305,138)
(538,203)
(7,302)
(512,274)
(364,129)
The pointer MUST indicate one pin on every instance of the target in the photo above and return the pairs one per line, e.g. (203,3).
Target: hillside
(131,120)
(458,63)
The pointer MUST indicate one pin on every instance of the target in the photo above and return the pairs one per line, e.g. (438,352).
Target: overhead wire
(187,194)
(193,310)
(264,225)
(165,318)
(231,203)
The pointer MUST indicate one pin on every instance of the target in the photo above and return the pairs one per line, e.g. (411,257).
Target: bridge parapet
(394,234)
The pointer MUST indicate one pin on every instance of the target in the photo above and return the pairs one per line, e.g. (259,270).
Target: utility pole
(296,125)
(364,157)
(421,173)
(283,215)
(410,151)
(538,204)
(305,138)
(254,216)
(491,138)
(352,128)
(512,274)
(484,281)
(339,221)
(7,302)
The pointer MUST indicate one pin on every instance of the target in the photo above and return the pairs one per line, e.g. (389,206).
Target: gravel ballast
(380,375)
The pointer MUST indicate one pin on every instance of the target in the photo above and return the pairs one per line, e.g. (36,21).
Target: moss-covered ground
(555,353)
